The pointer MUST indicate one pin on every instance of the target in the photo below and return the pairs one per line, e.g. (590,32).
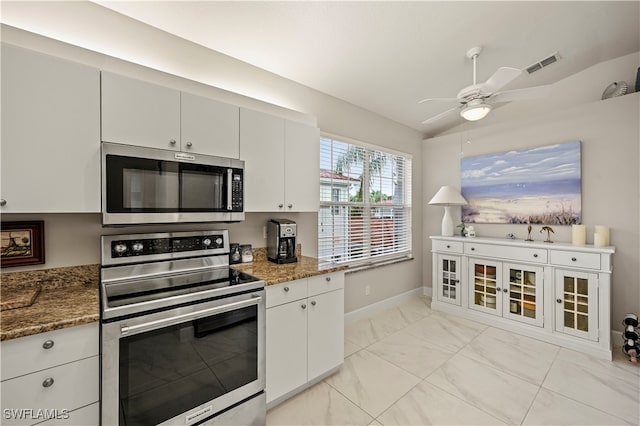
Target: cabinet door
(286,348)
(577,303)
(135,112)
(485,289)
(262,149)
(302,171)
(522,292)
(50,134)
(325,332)
(448,284)
(209,127)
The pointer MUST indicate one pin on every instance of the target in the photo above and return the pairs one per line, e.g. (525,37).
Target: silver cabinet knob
(189,144)
(290,206)
(505,290)
(448,246)
(473,249)
(280,206)
(328,279)
(48,382)
(498,289)
(48,344)
(535,254)
(313,303)
(573,259)
(172,141)
(3,202)
(286,289)
(303,306)
(559,300)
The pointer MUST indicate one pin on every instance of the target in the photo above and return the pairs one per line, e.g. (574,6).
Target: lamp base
(447,222)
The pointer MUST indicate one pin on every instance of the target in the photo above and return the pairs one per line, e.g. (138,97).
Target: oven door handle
(154,325)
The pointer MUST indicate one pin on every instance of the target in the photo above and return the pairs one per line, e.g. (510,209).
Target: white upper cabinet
(50,134)
(282,169)
(138,113)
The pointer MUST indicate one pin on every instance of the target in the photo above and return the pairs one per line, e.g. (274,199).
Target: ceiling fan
(475,100)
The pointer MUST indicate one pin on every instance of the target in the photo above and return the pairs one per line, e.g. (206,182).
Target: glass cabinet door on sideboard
(485,289)
(523,293)
(448,284)
(577,303)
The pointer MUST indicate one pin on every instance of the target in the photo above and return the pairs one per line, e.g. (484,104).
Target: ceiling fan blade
(536,92)
(438,100)
(499,79)
(441,115)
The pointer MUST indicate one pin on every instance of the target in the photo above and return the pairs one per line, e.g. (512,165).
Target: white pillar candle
(578,235)
(598,240)
(604,232)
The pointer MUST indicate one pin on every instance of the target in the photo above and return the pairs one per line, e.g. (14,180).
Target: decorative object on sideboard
(549,232)
(529,228)
(540,185)
(447,196)
(471,232)
(463,229)
(578,235)
(22,243)
(615,89)
(601,236)
(630,337)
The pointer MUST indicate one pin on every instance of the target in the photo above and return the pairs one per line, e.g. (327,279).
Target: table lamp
(447,196)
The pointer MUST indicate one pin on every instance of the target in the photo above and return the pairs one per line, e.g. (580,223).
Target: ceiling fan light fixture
(475,110)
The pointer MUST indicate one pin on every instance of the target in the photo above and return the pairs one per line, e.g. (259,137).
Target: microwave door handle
(166,322)
(229,189)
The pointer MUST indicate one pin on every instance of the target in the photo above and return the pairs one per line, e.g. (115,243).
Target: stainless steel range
(183,337)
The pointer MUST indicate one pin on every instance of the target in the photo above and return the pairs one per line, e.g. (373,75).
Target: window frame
(371,208)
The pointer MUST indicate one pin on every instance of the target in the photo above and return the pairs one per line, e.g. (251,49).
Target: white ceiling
(385,56)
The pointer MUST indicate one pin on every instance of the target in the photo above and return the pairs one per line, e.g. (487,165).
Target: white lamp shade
(448,196)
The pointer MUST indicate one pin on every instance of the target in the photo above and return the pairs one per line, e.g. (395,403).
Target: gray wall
(610,134)
(113,42)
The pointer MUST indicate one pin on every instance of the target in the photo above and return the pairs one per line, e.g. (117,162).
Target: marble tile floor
(410,365)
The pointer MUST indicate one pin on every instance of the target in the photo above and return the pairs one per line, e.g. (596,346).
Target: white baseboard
(616,338)
(380,306)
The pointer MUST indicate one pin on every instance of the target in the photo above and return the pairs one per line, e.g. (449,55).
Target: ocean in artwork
(539,185)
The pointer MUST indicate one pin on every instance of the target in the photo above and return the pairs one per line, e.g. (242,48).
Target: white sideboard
(555,292)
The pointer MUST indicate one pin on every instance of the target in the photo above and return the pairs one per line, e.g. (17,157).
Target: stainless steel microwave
(147,185)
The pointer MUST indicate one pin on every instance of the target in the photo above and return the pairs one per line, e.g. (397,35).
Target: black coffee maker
(281,241)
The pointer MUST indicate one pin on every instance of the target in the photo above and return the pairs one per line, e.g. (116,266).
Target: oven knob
(120,248)
(206,242)
(219,241)
(138,247)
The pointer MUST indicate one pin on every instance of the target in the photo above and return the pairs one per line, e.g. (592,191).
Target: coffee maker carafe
(281,241)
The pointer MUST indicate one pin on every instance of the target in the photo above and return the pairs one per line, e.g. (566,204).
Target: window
(365,203)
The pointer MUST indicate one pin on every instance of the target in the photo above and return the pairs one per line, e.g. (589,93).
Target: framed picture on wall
(22,243)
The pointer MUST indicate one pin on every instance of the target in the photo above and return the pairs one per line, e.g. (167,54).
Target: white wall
(113,42)
(610,134)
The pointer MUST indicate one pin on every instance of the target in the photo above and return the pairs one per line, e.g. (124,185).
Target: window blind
(365,203)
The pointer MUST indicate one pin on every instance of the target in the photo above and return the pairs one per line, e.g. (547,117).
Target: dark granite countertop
(38,301)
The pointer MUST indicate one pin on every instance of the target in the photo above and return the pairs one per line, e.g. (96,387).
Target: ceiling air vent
(543,63)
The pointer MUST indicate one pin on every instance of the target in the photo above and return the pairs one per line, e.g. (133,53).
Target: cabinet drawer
(447,246)
(286,292)
(575,259)
(73,385)
(534,255)
(28,354)
(87,416)
(324,283)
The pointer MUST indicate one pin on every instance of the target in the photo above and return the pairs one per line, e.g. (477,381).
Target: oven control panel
(164,245)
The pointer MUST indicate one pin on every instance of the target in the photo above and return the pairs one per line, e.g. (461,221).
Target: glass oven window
(166,372)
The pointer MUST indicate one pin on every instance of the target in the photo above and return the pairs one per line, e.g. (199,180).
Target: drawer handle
(48,382)
(286,289)
(558,300)
(448,246)
(48,344)
(535,254)
(473,249)
(303,306)
(573,259)
(328,279)
(313,303)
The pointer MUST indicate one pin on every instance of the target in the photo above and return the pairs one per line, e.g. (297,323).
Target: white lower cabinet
(558,292)
(52,377)
(305,333)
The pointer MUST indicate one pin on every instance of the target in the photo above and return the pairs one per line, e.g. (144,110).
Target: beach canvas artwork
(537,185)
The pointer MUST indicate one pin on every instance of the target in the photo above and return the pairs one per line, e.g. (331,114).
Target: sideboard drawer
(447,246)
(523,254)
(575,259)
